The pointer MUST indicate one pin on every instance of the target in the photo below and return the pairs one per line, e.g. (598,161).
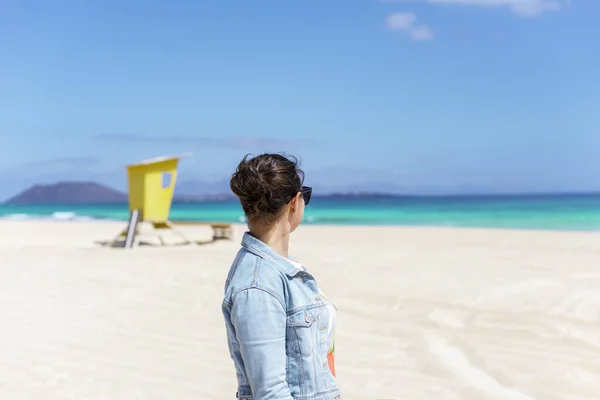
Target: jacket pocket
(302,330)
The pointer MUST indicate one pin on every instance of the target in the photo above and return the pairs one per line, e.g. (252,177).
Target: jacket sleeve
(259,320)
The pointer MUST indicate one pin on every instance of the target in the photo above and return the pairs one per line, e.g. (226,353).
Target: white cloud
(400,21)
(421,32)
(405,22)
(524,8)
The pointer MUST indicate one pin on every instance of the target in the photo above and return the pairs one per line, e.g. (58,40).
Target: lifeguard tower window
(166,179)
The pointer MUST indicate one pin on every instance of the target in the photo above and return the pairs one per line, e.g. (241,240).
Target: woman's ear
(295,201)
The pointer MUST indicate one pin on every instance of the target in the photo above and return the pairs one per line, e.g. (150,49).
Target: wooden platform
(221,230)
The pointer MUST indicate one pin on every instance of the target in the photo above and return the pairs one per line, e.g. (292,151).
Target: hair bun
(248,183)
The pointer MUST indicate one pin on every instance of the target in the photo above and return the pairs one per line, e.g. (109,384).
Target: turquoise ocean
(550,212)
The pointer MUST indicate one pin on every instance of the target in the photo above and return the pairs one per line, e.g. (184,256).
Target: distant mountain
(203,197)
(69,193)
(199,188)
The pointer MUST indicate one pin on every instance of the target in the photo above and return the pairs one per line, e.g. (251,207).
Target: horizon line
(229,197)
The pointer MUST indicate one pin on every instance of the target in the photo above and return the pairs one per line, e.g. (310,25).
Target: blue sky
(436,96)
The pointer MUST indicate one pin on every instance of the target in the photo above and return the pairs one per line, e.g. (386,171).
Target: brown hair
(266,183)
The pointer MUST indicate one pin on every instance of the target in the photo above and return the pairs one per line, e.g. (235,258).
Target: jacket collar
(263,250)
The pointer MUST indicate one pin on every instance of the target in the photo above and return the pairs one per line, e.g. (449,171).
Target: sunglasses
(306,193)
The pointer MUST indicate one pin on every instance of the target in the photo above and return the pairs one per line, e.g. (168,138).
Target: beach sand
(424,313)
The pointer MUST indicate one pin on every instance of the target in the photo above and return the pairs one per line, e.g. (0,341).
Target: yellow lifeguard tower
(151,185)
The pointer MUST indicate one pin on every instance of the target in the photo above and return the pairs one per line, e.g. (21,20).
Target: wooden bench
(221,230)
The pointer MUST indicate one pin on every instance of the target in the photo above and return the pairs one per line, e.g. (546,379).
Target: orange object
(331,362)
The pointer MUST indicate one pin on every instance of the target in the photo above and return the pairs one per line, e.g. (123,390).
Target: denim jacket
(276,322)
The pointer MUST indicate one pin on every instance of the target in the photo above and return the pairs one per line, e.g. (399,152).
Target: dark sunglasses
(306,194)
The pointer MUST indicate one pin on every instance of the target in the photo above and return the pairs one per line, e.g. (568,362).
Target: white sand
(423,313)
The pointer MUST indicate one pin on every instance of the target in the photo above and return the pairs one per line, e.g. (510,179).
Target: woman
(279,324)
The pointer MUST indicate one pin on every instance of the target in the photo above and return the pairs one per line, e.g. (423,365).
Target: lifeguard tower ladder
(151,185)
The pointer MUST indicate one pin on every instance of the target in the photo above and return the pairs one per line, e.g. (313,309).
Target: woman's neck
(277,237)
